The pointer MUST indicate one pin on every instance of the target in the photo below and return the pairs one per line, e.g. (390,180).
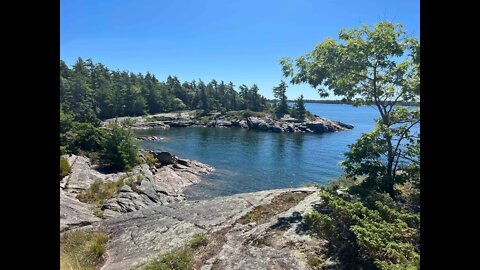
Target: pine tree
(279,93)
(300,111)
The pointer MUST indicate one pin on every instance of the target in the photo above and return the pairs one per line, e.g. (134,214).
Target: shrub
(81,249)
(120,148)
(65,168)
(372,231)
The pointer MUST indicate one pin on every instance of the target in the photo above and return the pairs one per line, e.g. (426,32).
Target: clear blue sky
(238,41)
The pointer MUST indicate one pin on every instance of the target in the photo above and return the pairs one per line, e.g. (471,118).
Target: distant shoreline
(350,103)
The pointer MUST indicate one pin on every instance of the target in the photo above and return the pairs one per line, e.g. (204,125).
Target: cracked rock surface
(140,236)
(152,186)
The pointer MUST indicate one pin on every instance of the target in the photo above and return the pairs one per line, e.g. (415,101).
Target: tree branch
(402,136)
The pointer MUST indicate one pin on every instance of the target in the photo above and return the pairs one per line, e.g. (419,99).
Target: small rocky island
(259,121)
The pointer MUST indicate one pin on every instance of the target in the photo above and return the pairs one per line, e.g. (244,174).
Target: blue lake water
(248,161)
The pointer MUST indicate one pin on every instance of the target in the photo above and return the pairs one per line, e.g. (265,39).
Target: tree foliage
(279,92)
(300,111)
(377,66)
(90,92)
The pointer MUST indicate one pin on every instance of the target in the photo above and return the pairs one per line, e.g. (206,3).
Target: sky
(238,41)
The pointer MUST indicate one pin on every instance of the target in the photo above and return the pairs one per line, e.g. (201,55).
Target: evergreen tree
(279,93)
(120,149)
(90,92)
(300,111)
(82,93)
(203,98)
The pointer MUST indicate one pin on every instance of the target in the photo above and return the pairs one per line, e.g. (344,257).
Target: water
(248,161)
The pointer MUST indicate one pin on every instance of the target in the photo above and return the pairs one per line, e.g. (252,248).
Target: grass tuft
(82,250)
(198,240)
(180,259)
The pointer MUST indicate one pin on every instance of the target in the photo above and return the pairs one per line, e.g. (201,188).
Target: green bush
(65,168)
(120,148)
(373,232)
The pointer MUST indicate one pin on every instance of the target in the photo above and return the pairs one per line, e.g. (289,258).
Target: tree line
(91,92)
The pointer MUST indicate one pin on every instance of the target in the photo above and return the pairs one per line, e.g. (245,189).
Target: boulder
(317,126)
(74,213)
(243,124)
(263,126)
(165,157)
(277,128)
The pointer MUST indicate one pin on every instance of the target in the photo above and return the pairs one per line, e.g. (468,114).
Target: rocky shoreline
(262,123)
(144,186)
(152,217)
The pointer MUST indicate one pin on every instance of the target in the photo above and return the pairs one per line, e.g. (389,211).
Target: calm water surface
(248,161)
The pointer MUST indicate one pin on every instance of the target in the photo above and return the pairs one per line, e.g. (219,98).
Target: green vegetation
(373,231)
(89,92)
(363,67)
(119,148)
(150,159)
(279,93)
(81,250)
(99,192)
(181,258)
(299,110)
(65,168)
(198,240)
(371,217)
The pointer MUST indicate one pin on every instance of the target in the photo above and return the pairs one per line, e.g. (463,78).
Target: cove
(248,160)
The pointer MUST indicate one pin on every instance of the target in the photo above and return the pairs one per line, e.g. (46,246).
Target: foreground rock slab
(74,213)
(140,236)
